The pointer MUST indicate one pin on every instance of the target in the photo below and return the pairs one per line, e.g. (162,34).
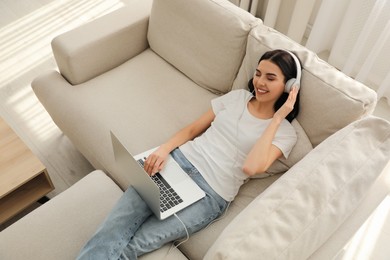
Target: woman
(241,135)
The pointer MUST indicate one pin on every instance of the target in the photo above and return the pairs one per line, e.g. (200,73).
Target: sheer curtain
(352,35)
(358,40)
(249,5)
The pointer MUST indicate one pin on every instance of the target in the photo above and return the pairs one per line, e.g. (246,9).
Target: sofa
(151,67)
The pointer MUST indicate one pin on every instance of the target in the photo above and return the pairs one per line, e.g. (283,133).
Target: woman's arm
(156,161)
(264,153)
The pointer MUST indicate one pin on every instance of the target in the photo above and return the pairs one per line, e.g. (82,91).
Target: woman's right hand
(156,161)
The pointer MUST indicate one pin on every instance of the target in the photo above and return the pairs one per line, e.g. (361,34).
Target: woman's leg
(154,233)
(131,229)
(118,228)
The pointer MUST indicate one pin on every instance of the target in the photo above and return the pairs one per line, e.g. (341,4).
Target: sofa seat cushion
(205,39)
(59,228)
(62,226)
(144,101)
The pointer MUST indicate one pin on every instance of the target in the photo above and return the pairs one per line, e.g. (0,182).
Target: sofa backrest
(329,100)
(204,39)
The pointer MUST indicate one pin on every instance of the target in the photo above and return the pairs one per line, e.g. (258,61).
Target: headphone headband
(294,81)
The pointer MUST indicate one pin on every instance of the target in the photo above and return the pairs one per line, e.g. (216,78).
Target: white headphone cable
(185,240)
(185,228)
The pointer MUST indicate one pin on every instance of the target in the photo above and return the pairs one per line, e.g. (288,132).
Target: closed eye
(270,76)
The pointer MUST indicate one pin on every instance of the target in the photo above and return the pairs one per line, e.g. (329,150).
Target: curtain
(352,35)
(300,16)
(356,34)
(248,5)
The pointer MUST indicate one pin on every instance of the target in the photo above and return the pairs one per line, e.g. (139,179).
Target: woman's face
(268,81)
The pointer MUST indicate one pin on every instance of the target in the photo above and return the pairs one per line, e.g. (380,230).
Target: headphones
(294,81)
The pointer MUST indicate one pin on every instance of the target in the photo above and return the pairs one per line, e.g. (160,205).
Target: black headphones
(294,81)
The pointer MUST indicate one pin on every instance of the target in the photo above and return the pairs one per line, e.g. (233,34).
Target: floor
(26,29)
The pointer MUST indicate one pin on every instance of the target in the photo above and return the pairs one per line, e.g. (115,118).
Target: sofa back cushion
(301,210)
(204,39)
(329,100)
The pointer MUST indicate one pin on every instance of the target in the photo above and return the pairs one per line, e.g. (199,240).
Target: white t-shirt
(219,153)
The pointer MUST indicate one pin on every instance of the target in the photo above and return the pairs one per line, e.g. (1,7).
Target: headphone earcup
(289,84)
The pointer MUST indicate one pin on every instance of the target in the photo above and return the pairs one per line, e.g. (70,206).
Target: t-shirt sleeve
(220,103)
(285,138)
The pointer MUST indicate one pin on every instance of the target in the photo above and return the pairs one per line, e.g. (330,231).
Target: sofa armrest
(96,47)
(304,207)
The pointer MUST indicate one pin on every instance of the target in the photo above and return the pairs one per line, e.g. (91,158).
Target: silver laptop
(166,193)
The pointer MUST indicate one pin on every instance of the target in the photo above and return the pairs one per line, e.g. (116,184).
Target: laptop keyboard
(168,196)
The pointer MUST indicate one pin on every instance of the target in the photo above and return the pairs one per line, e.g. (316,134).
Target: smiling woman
(268,84)
(275,68)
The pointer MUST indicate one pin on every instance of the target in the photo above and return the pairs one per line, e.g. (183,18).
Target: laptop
(166,193)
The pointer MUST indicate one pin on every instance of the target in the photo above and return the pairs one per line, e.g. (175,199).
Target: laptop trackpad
(173,173)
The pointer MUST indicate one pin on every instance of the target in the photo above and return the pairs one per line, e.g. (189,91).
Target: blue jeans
(131,229)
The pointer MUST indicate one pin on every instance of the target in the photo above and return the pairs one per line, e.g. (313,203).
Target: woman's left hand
(288,106)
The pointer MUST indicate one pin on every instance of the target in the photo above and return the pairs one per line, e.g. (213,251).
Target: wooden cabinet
(23,178)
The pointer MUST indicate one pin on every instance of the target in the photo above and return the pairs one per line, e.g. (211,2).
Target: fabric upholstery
(96,47)
(204,39)
(300,211)
(144,114)
(144,95)
(199,243)
(58,229)
(335,246)
(330,100)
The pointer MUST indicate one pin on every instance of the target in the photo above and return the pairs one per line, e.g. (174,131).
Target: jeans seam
(126,237)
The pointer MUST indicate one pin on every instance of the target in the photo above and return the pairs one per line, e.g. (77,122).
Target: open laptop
(182,191)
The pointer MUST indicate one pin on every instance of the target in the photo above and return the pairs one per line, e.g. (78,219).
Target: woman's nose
(258,81)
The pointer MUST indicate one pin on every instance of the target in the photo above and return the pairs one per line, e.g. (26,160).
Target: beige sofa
(147,70)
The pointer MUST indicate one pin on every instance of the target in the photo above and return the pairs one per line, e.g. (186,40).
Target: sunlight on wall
(25,52)
(26,41)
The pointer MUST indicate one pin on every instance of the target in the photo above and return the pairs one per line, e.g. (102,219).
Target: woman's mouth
(261,91)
